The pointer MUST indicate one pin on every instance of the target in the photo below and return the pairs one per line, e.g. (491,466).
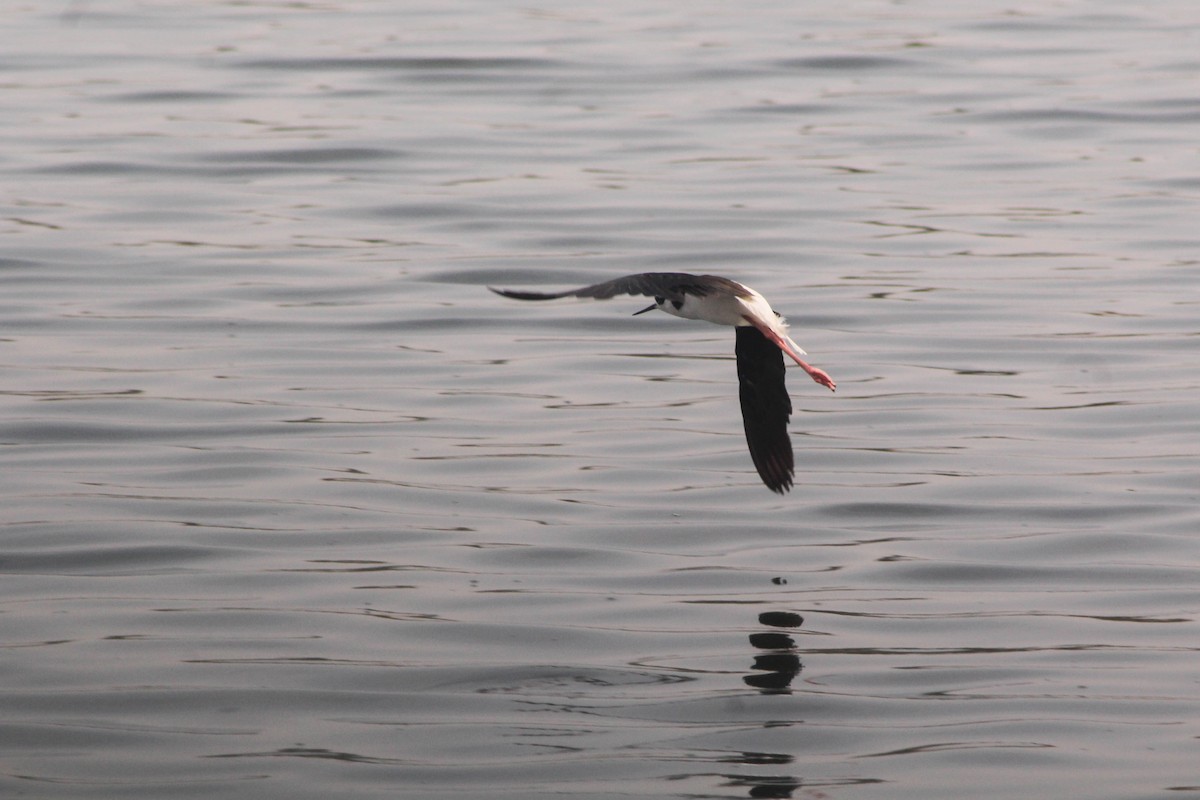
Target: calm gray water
(293,507)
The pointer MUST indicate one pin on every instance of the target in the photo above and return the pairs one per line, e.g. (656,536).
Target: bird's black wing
(766,407)
(668,285)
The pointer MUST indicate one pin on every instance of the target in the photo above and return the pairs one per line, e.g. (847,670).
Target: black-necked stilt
(762,339)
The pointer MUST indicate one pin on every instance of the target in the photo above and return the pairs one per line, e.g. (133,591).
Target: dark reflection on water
(293,507)
(778,664)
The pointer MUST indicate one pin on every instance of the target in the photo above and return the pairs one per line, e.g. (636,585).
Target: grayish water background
(293,507)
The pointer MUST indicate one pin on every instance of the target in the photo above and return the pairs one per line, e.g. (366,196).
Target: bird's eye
(660,300)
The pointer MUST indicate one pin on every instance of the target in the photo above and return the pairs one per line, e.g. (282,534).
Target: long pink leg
(817,374)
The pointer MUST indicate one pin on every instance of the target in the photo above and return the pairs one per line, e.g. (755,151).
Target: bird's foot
(821,377)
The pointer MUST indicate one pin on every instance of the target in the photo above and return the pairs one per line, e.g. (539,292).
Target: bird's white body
(736,310)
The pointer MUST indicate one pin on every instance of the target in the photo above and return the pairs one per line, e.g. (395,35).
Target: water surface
(293,506)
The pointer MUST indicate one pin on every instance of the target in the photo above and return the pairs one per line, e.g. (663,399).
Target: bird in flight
(762,339)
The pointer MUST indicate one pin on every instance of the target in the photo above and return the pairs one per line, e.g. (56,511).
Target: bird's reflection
(778,663)
(767,785)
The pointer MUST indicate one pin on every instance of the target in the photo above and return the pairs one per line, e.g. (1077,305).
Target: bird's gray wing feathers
(668,285)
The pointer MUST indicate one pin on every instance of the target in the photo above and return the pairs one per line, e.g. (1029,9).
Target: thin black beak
(650,307)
